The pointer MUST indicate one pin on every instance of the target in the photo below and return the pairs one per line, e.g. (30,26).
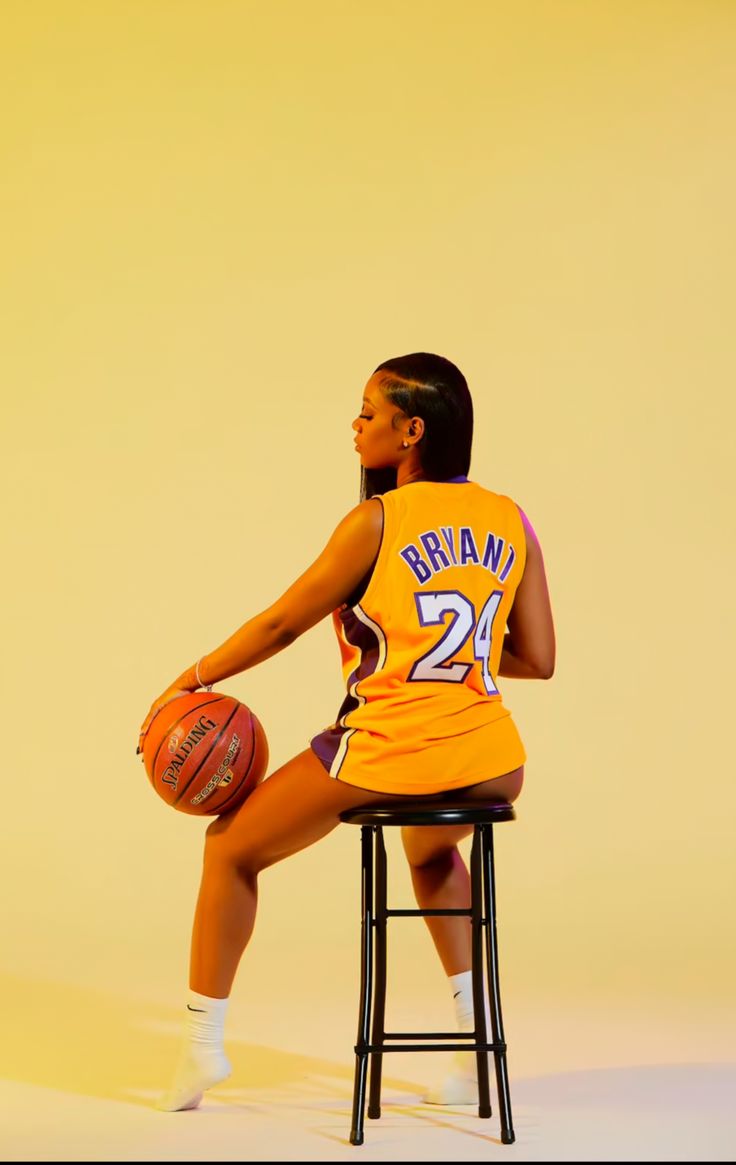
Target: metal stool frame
(373,1040)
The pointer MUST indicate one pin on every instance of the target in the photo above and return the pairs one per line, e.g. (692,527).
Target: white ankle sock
(460,1086)
(461,986)
(202,1059)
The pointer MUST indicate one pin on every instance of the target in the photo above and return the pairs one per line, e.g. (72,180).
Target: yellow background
(217,219)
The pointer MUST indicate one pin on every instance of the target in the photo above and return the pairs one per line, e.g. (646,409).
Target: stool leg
(499,1055)
(479,1011)
(379,994)
(366,983)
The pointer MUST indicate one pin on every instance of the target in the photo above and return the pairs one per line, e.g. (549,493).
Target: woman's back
(421,648)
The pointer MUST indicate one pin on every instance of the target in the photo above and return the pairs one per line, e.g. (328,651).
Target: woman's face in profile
(378,431)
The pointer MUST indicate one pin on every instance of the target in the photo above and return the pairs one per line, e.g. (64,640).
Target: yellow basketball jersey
(421,649)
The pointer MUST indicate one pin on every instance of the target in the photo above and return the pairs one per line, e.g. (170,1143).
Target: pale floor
(665,1113)
(587,1083)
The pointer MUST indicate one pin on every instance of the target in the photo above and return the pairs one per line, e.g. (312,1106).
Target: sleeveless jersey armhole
(521,547)
(362,586)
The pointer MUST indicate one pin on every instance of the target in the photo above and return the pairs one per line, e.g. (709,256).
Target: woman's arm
(332,577)
(529,644)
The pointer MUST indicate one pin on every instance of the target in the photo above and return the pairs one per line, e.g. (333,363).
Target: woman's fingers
(142,733)
(155,709)
(145,726)
(166,698)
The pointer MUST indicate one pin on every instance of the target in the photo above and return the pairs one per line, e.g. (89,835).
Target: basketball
(205,752)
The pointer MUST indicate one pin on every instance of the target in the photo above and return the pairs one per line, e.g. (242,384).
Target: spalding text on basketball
(170,776)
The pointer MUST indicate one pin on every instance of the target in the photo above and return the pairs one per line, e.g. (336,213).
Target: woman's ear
(416,427)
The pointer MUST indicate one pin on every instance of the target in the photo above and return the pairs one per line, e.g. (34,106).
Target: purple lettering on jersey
(509,563)
(448,534)
(414,560)
(468,551)
(438,560)
(492,553)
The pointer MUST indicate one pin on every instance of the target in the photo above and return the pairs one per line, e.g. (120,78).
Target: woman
(422,579)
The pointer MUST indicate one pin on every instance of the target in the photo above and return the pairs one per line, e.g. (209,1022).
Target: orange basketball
(204,753)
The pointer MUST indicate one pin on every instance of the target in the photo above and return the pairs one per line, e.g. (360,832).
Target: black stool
(375,913)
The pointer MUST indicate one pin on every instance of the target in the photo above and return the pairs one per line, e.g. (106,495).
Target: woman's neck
(406,474)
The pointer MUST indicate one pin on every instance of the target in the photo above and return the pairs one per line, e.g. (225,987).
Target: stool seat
(429,811)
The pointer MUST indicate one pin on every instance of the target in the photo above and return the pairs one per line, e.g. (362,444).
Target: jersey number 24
(436,664)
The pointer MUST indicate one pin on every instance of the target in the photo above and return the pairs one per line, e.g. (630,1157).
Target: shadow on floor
(95,1044)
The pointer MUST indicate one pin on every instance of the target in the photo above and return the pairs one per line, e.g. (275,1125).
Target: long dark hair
(433,388)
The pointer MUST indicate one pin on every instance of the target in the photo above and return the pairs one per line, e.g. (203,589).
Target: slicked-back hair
(433,388)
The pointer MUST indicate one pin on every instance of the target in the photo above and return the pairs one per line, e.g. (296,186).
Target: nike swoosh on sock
(200,1009)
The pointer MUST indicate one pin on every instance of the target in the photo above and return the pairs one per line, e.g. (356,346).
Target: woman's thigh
(295,807)
(300,803)
(425,843)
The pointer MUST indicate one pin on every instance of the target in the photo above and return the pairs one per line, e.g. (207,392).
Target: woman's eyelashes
(365,417)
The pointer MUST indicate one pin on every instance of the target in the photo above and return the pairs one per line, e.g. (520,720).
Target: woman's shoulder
(496,495)
(368,514)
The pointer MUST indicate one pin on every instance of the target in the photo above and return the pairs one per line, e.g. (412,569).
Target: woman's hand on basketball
(171,693)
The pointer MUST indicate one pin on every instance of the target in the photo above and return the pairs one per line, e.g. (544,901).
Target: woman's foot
(202,1060)
(457,1088)
(198,1070)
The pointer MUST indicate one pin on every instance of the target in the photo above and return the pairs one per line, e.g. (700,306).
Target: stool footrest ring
(381,1048)
(426,913)
(470,1036)
(470,1046)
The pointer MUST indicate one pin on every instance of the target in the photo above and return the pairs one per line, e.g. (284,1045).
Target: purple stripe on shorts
(326,744)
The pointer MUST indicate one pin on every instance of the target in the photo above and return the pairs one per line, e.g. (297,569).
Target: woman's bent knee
(219,850)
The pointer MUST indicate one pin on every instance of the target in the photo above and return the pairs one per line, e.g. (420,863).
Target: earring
(404,444)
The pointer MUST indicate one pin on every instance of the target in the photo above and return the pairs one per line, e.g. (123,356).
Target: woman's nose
(356,424)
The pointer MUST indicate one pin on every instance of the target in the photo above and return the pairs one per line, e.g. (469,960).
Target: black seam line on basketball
(209,752)
(250,758)
(223,807)
(247,771)
(204,704)
(215,742)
